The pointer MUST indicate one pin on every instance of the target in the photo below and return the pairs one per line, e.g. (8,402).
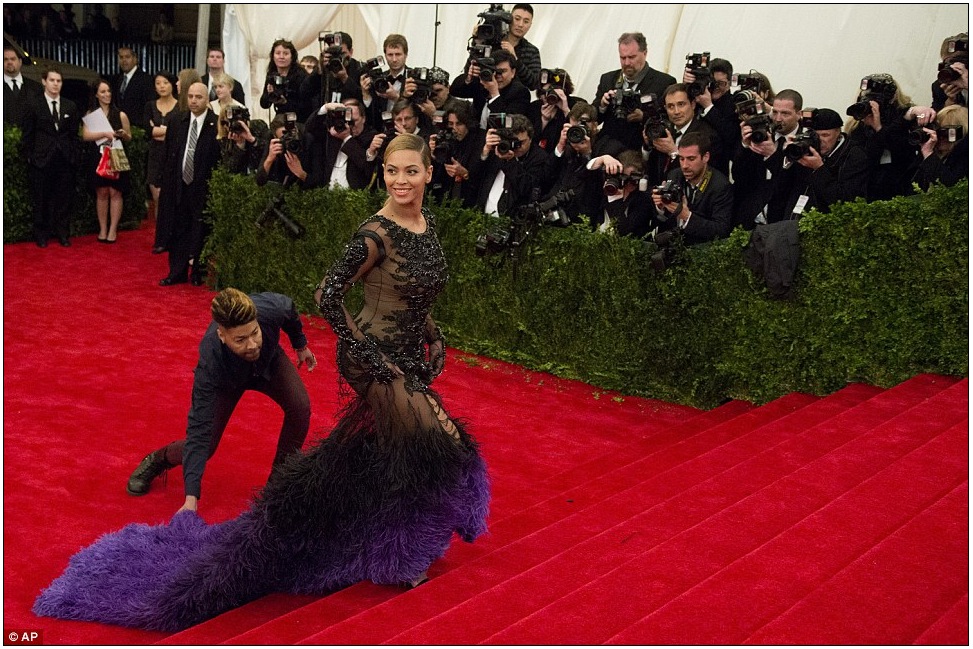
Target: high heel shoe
(105,240)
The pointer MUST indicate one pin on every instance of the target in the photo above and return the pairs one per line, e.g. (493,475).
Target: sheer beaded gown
(378,499)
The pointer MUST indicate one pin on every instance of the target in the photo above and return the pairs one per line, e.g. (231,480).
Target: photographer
(284,86)
(341,73)
(286,157)
(881,119)
(625,209)
(343,147)
(952,84)
(579,142)
(704,211)
(455,145)
(241,140)
(510,166)
(618,93)
(838,170)
(428,89)
(714,105)
(946,151)
(380,95)
(548,113)
(527,58)
(490,83)
(662,153)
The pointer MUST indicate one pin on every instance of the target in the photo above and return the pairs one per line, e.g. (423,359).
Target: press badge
(801,204)
(886,158)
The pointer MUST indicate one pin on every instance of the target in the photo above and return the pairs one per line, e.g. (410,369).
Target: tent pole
(435,37)
(202,37)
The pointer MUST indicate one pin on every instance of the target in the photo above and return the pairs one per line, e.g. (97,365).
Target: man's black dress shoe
(65,242)
(42,243)
(169,281)
(158,250)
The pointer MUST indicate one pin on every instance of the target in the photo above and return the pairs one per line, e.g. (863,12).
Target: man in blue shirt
(240,351)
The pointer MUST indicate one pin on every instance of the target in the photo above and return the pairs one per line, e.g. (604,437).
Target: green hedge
(17,218)
(882,295)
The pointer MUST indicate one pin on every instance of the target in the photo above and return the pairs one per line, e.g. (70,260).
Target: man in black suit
(345,157)
(396,50)
(501,92)
(625,209)
(17,91)
(635,76)
(662,153)
(132,88)
(343,76)
(507,174)
(705,212)
(214,66)
(191,154)
(51,146)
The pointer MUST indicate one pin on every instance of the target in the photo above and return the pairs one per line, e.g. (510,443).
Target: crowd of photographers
(650,156)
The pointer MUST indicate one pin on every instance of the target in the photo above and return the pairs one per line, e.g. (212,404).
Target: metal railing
(102,56)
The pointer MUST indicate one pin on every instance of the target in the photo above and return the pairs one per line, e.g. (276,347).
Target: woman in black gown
(157,113)
(378,499)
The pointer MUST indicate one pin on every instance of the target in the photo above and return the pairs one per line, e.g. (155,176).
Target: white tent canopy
(820,50)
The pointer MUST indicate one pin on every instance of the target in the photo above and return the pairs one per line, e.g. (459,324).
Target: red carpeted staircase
(809,520)
(840,520)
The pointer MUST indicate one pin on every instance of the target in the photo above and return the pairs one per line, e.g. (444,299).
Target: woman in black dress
(109,193)
(157,112)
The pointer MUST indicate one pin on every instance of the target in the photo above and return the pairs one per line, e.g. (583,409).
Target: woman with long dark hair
(285,76)
(109,192)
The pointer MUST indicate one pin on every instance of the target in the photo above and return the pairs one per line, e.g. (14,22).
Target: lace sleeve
(365,251)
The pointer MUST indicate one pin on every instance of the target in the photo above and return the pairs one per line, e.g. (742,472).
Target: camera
(879,88)
(806,139)
(502,122)
(278,89)
(671,191)
(579,132)
(237,118)
(626,101)
(388,125)
(615,183)
(274,212)
(423,84)
(917,136)
(750,110)
(656,119)
(493,26)
(488,68)
(445,139)
(514,233)
(668,244)
(290,139)
(946,73)
(698,64)
(961,44)
(750,81)
(555,80)
(378,72)
(330,43)
(338,118)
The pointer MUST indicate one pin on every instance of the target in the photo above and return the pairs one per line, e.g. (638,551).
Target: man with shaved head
(191,155)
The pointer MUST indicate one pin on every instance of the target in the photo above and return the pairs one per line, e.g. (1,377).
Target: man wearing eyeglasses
(510,166)
(496,92)
(715,106)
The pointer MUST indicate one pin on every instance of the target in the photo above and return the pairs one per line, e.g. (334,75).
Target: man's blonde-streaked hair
(232,308)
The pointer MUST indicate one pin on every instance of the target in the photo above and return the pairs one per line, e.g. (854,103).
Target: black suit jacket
(237,92)
(324,153)
(140,89)
(712,209)
(521,177)
(844,177)
(514,99)
(659,164)
(173,190)
(43,143)
(628,133)
(14,106)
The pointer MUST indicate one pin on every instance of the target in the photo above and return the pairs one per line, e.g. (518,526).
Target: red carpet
(626,521)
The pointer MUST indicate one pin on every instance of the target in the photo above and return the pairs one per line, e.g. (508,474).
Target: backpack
(772,255)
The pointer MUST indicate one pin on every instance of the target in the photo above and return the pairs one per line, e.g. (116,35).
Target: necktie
(15,87)
(121,91)
(187,170)
(54,114)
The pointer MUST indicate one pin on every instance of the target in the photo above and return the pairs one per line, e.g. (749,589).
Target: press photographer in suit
(51,147)
(344,148)
(492,90)
(619,114)
(705,211)
(192,152)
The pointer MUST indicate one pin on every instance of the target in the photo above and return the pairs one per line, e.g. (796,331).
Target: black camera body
(512,236)
(446,140)
(946,73)
(236,118)
(656,118)
(274,212)
(502,123)
(668,245)
(878,88)
(338,118)
(671,191)
(750,110)
(626,101)
(698,64)
(278,89)
(423,81)
(488,68)
(917,136)
(751,81)
(579,132)
(291,139)
(802,144)
(554,80)
(378,71)
(493,26)
(330,43)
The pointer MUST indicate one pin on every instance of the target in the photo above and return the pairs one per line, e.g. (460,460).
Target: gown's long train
(358,505)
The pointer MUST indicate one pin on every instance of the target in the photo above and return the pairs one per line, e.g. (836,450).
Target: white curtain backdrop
(820,50)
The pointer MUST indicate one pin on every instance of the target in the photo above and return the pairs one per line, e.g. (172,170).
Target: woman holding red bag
(109,187)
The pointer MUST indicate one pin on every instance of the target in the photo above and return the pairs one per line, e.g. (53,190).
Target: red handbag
(104,165)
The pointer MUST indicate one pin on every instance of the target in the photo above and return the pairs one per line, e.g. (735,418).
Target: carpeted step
(472,577)
(505,529)
(736,602)
(953,627)
(683,548)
